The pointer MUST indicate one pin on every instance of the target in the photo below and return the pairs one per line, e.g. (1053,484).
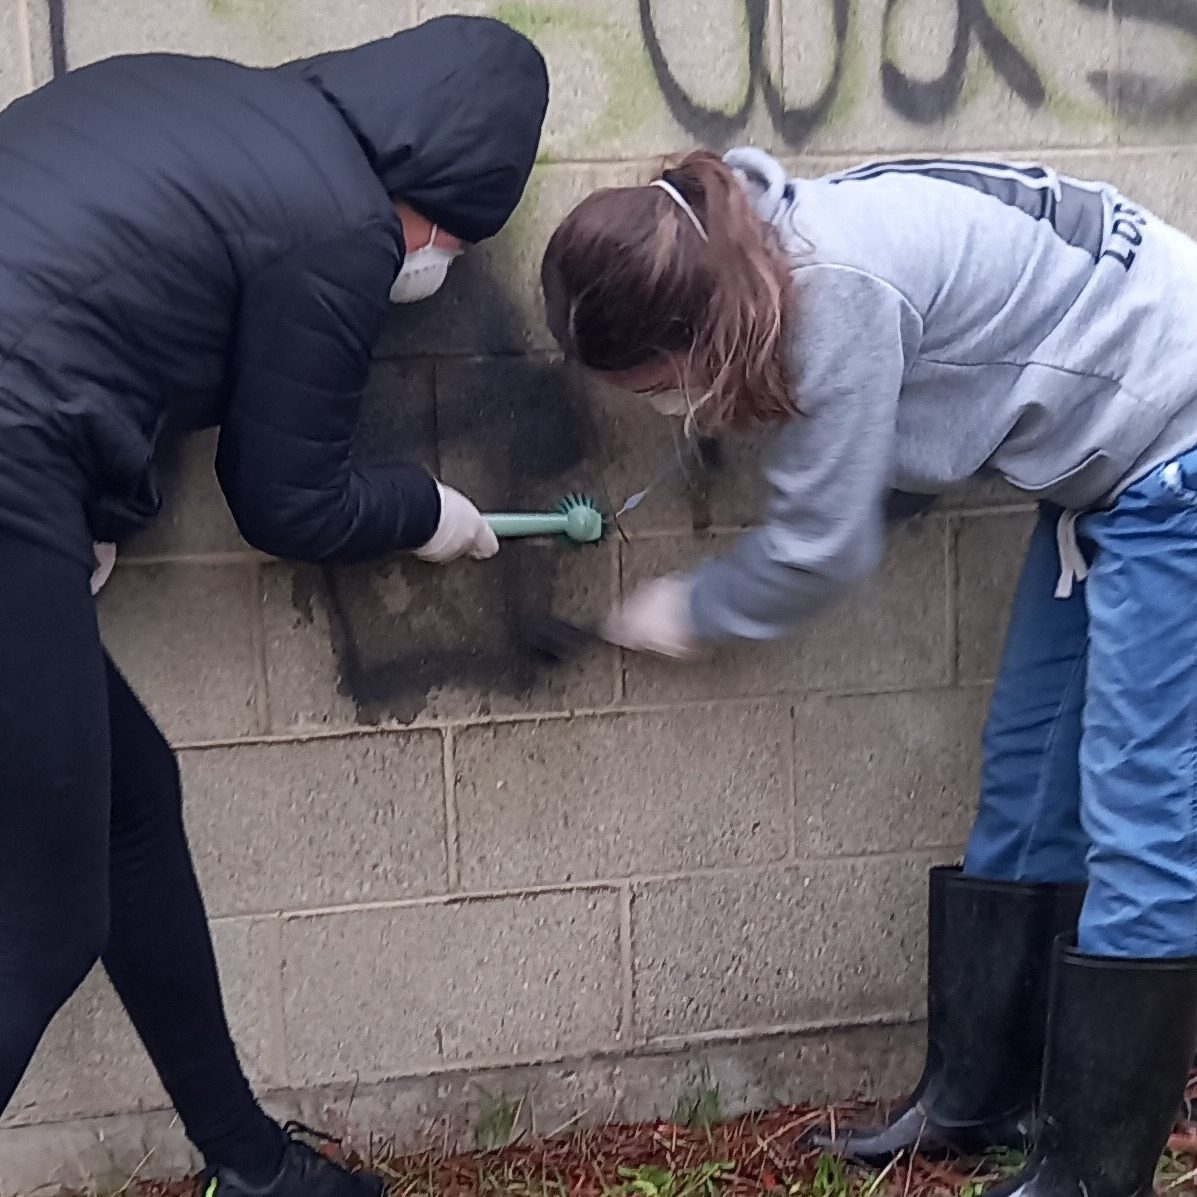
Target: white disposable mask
(669,403)
(675,402)
(423,272)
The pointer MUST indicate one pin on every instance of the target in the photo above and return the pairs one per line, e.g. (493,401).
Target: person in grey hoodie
(904,327)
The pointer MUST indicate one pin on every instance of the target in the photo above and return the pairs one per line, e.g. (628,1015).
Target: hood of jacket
(449,114)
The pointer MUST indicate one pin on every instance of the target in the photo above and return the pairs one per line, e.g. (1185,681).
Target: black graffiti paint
(716,127)
(922,101)
(456,391)
(1142,97)
(57,22)
(926,101)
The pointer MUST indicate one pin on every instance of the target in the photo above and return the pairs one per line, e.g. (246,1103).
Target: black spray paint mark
(57,23)
(717,127)
(514,433)
(1141,97)
(923,101)
(405,632)
(926,101)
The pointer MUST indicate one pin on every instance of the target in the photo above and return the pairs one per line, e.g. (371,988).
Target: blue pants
(1090,751)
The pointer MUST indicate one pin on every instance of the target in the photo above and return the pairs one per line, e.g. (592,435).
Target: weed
(699,1108)
(1006,1160)
(650,1180)
(831,1178)
(498,1119)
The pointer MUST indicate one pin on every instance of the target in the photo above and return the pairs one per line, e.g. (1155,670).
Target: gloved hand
(655,619)
(105,559)
(462,532)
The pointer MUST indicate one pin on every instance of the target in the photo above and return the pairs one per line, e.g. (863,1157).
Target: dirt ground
(697,1154)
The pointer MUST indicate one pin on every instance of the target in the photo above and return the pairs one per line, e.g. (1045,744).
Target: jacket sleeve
(305,332)
(830,470)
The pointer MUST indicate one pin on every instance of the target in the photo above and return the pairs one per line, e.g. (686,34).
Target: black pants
(94,863)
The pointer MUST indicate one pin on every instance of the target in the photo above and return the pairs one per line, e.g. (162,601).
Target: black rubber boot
(989,953)
(1120,1040)
(305,1172)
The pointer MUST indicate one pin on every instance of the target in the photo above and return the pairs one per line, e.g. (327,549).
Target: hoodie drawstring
(1073,566)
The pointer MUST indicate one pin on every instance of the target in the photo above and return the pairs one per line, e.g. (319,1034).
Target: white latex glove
(655,619)
(462,532)
(105,557)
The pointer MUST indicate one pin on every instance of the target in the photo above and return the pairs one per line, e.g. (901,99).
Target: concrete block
(306,688)
(696,485)
(324,823)
(36,17)
(621,795)
(989,556)
(188,639)
(93,1153)
(886,772)
(1151,86)
(16,51)
(476,311)
(516,434)
(1164,181)
(400,641)
(91,1063)
(752,1075)
(258,32)
(816,944)
(491,302)
(195,518)
(398,417)
(381,993)
(893,631)
(249,957)
(704,72)
(1032,75)
(984,492)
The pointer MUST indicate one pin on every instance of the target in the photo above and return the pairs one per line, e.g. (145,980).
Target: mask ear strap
(679,199)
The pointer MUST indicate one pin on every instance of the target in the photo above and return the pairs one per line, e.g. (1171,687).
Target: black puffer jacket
(187,242)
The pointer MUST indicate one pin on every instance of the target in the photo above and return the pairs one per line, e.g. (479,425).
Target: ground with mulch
(759,1155)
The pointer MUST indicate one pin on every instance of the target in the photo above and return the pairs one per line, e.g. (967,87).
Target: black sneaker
(305,1172)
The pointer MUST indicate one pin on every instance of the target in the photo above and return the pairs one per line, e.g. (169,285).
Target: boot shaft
(1121,1037)
(989,953)
(989,956)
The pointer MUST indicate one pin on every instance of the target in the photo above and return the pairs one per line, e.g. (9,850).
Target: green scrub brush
(577,517)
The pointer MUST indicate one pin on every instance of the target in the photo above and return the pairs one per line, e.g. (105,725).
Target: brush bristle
(577,499)
(589,525)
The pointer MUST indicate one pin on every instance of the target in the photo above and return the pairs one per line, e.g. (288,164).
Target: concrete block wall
(438,868)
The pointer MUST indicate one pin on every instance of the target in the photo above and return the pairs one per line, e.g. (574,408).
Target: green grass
(498,1123)
(699,1108)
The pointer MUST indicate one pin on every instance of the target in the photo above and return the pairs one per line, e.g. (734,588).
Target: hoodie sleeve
(305,333)
(830,471)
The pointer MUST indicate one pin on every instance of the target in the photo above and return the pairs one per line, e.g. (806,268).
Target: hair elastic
(679,199)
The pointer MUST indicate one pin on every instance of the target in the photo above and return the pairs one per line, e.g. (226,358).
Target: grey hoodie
(953,319)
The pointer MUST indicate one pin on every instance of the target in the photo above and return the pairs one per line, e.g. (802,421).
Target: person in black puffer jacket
(186,243)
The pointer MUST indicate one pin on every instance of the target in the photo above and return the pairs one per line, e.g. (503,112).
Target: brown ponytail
(628,279)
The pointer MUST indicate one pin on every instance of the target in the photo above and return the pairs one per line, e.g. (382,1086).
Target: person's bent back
(189,242)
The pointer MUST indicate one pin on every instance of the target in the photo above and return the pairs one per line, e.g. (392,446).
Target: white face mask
(675,402)
(423,272)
